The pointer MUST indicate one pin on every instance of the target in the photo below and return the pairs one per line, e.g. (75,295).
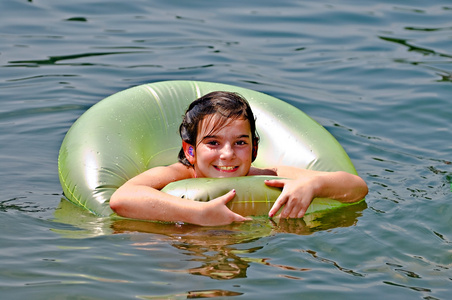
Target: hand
(215,212)
(296,196)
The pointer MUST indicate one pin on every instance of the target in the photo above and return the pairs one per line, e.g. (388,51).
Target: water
(376,74)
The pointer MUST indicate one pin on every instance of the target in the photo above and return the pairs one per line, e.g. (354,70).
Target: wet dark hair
(227,105)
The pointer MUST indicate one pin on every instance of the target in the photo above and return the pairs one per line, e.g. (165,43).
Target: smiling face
(222,152)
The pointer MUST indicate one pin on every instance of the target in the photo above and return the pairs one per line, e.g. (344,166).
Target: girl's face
(224,152)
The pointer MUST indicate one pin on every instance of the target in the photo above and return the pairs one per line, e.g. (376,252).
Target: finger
(230,216)
(240,218)
(228,196)
(277,205)
(275,183)
(304,206)
(292,207)
(287,210)
(223,199)
(236,217)
(297,209)
(302,212)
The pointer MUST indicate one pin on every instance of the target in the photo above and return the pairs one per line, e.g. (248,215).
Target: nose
(227,152)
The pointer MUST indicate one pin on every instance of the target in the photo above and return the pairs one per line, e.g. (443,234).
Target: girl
(219,139)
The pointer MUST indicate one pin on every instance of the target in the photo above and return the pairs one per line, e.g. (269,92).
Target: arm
(305,185)
(141,198)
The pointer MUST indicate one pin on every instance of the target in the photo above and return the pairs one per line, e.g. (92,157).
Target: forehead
(213,124)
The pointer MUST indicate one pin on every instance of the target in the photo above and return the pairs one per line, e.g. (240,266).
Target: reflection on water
(56,59)
(422,50)
(221,253)
(195,294)
(376,74)
(216,261)
(329,261)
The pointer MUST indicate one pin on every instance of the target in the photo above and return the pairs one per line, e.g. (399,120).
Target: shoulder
(283,171)
(265,171)
(159,177)
(179,171)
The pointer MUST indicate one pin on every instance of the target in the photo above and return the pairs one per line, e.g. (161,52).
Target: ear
(189,152)
(255,147)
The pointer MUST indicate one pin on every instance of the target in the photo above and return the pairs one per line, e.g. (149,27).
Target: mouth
(227,169)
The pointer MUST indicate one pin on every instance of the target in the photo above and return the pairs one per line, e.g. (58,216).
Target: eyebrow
(216,136)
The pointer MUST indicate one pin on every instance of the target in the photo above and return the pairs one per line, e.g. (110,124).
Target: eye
(212,143)
(242,142)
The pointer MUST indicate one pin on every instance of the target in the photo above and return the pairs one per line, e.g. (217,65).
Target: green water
(376,74)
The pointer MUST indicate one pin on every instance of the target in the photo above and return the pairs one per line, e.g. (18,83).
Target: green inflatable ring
(137,129)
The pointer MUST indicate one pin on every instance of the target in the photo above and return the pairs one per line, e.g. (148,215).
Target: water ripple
(376,74)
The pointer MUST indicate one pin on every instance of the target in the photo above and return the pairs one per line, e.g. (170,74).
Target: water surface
(376,74)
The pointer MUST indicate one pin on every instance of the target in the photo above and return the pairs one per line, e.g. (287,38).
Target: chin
(231,174)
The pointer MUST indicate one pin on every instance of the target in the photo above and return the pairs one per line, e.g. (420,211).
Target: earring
(190,150)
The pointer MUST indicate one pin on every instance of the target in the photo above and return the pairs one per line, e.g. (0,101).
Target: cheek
(245,153)
(204,154)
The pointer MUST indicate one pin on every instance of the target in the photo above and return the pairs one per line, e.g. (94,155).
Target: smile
(226,169)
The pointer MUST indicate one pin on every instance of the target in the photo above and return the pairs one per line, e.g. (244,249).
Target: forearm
(341,186)
(146,203)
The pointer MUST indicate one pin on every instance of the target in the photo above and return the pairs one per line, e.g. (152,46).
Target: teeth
(226,168)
